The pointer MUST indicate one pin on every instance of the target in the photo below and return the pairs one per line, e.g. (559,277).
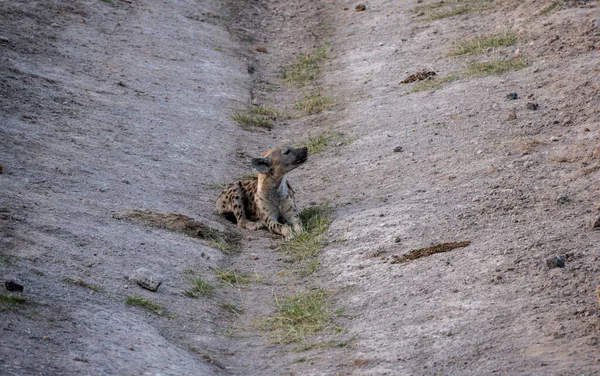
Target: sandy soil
(110,106)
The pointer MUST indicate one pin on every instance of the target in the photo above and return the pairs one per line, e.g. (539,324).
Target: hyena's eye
(286,151)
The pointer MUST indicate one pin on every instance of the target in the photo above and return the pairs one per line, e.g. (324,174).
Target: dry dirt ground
(114,106)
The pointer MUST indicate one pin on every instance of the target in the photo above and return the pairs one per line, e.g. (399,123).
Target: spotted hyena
(267,199)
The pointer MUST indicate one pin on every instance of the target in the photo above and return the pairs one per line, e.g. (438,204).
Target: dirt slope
(109,106)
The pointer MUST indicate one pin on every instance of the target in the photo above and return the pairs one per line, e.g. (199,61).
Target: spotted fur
(268,199)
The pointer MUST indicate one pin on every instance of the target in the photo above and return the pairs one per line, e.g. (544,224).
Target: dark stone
(360,7)
(555,261)
(398,149)
(13,286)
(532,106)
(512,96)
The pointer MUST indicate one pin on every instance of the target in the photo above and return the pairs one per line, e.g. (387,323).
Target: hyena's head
(279,161)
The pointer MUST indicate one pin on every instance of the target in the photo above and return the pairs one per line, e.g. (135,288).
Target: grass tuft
(199,287)
(298,316)
(303,248)
(256,116)
(232,277)
(314,103)
(10,301)
(432,83)
(324,141)
(482,44)
(147,304)
(80,282)
(305,69)
(496,66)
(232,308)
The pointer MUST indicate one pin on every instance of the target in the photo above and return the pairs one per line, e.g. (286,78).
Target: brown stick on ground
(424,252)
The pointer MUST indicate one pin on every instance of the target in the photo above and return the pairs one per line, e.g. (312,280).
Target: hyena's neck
(272,188)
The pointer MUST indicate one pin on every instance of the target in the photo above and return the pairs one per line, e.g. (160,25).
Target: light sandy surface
(113,106)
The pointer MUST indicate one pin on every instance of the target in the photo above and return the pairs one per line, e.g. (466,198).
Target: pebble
(145,279)
(253,256)
(555,261)
(598,294)
(512,96)
(4,39)
(532,106)
(360,7)
(398,149)
(554,138)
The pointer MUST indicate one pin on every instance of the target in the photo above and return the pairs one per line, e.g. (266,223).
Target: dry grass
(232,308)
(482,44)
(428,251)
(82,283)
(232,277)
(324,141)
(432,83)
(225,242)
(147,304)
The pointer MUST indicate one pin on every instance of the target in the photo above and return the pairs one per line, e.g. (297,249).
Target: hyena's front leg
(291,216)
(271,219)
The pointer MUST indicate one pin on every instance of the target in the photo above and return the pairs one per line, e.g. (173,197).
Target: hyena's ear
(262,165)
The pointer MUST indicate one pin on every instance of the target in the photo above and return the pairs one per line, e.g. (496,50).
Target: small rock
(598,294)
(398,239)
(121,84)
(261,48)
(145,279)
(555,261)
(253,256)
(595,155)
(1,169)
(4,39)
(532,106)
(54,24)
(250,69)
(360,7)
(125,181)
(512,96)
(398,149)
(13,286)
(554,138)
